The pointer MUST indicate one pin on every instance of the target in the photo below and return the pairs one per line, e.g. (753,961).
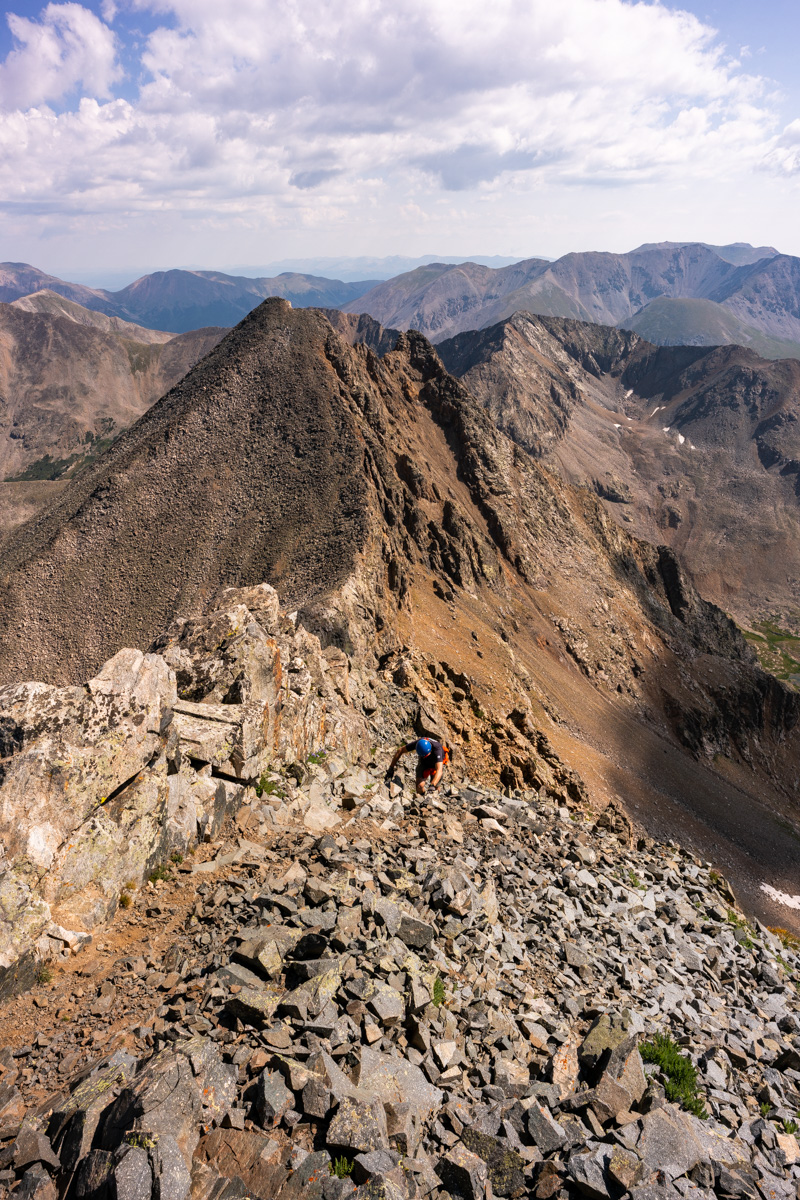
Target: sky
(137,136)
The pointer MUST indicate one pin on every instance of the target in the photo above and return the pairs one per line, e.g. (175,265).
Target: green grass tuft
(680,1073)
(269,787)
(159,872)
(341,1167)
(43,975)
(438,995)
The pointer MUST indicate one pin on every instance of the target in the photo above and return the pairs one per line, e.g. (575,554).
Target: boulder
(255,1158)
(272,1099)
(73,1123)
(358,1125)
(464,1173)
(395,1080)
(544,1129)
(82,794)
(607,1032)
(588,1171)
(505,1165)
(668,1143)
(176,1094)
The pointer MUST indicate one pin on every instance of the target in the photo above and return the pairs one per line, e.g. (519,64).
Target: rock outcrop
(100,783)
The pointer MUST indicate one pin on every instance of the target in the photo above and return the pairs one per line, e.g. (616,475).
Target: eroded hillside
(71,380)
(693,447)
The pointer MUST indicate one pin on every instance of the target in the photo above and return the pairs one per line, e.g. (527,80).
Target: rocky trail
(436,997)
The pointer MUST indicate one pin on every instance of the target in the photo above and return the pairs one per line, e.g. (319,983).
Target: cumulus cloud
(260,106)
(66,49)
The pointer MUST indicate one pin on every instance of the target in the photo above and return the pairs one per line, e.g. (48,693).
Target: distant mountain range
(178,301)
(367,267)
(671,293)
(755,299)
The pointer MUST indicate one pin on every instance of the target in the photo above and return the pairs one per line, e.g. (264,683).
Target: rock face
(98,784)
(693,447)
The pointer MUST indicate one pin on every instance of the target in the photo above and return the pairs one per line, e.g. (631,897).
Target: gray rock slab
(358,1125)
(397,1081)
(544,1129)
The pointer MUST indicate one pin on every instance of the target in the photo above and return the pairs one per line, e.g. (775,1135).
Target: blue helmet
(424,747)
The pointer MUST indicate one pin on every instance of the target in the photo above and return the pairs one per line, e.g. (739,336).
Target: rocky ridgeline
(436,997)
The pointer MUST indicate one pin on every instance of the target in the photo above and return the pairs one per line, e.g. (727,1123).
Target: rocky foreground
(453,996)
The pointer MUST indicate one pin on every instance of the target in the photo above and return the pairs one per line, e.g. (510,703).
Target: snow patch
(681,439)
(781,897)
(629,393)
(617,425)
(667,428)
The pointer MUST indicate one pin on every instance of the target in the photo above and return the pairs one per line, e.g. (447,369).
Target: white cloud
(784,157)
(69,47)
(282,111)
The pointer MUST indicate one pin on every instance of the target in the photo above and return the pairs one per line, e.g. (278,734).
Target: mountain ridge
(691,446)
(382,500)
(601,288)
(180,301)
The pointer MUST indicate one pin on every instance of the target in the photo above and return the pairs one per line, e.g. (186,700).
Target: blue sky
(137,135)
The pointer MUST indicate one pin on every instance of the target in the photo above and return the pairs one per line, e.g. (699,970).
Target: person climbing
(432,757)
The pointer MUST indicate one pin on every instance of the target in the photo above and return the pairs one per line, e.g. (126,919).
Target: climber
(432,757)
